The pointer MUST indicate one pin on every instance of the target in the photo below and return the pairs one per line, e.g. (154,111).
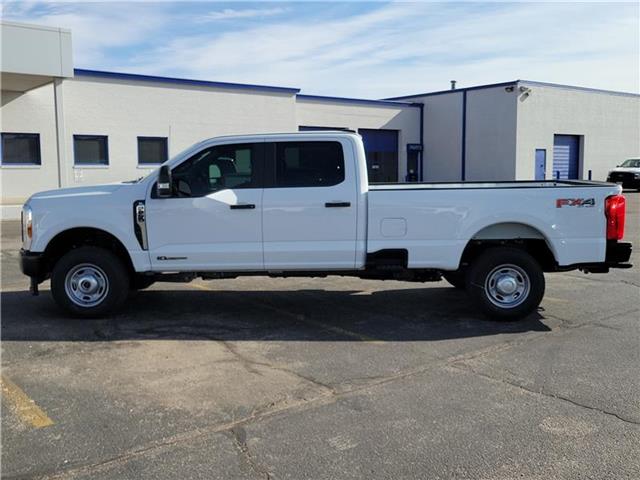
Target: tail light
(614,209)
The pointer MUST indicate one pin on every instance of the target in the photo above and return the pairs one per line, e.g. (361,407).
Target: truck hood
(79,192)
(625,169)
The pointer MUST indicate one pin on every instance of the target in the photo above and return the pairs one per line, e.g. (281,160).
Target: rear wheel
(89,282)
(456,279)
(506,283)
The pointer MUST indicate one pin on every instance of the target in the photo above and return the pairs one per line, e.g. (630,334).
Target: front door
(541,164)
(309,211)
(213,221)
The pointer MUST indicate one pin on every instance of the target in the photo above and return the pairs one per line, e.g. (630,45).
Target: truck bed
(434,222)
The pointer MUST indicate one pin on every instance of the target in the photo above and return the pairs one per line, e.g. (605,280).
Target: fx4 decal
(575,202)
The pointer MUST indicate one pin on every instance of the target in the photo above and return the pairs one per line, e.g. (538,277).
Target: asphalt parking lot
(323,379)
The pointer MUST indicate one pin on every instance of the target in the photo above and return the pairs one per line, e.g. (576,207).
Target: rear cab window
(307,164)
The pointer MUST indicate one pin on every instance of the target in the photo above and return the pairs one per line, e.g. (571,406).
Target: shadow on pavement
(418,314)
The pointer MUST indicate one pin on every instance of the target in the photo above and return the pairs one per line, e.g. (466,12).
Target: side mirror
(164,182)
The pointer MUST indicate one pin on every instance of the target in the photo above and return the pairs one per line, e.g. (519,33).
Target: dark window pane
(216,168)
(90,150)
(21,149)
(309,164)
(152,150)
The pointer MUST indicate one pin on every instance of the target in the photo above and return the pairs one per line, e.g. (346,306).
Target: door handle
(242,206)
(337,204)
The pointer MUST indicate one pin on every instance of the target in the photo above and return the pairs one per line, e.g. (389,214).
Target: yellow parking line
(24,407)
(315,323)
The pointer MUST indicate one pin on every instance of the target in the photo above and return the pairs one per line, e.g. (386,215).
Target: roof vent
(453,84)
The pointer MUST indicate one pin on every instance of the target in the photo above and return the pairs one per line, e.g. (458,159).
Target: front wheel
(456,279)
(89,282)
(506,283)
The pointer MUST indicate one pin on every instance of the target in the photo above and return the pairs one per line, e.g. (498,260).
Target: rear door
(309,205)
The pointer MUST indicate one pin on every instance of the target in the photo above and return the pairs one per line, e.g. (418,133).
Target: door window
(217,168)
(309,164)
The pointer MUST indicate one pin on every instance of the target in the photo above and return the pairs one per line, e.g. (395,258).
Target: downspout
(59,123)
(464,137)
(421,175)
(421,153)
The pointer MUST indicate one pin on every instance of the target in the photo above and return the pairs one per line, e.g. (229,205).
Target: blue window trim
(79,72)
(25,164)
(149,137)
(106,150)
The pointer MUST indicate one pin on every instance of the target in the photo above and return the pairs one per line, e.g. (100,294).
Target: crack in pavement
(466,368)
(248,362)
(239,437)
(325,394)
(326,397)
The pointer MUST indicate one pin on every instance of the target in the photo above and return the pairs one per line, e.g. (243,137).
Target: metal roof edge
(80,72)
(514,82)
(387,103)
(457,90)
(577,88)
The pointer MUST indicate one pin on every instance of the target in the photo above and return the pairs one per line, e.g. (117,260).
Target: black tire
(517,270)
(140,282)
(102,273)
(456,279)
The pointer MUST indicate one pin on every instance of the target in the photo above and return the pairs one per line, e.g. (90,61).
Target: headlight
(637,175)
(27,227)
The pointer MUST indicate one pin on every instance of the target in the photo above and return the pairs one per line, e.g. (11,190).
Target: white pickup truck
(299,204)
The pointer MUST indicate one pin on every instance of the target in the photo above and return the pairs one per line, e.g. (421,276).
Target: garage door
(381,149)
(566,156)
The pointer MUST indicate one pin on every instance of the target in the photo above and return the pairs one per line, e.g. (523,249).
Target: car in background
(627,174)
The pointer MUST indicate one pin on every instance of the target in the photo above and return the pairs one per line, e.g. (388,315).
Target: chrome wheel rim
(86,285)
(507,286)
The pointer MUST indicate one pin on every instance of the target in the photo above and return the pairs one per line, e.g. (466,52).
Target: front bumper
(33,265)
(627,181)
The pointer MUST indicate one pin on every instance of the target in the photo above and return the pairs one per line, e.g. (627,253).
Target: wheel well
(76,237)
(535,247)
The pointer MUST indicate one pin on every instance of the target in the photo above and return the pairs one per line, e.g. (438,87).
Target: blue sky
(359,49)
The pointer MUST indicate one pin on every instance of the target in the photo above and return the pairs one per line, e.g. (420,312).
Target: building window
(152,150)
(90,150)
(20,149)
(309,164)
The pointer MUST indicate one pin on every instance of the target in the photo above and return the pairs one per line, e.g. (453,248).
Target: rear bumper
(617,256)
(618,252)
(33,265)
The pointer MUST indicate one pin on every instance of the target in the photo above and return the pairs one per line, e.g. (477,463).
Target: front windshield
(631,163)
